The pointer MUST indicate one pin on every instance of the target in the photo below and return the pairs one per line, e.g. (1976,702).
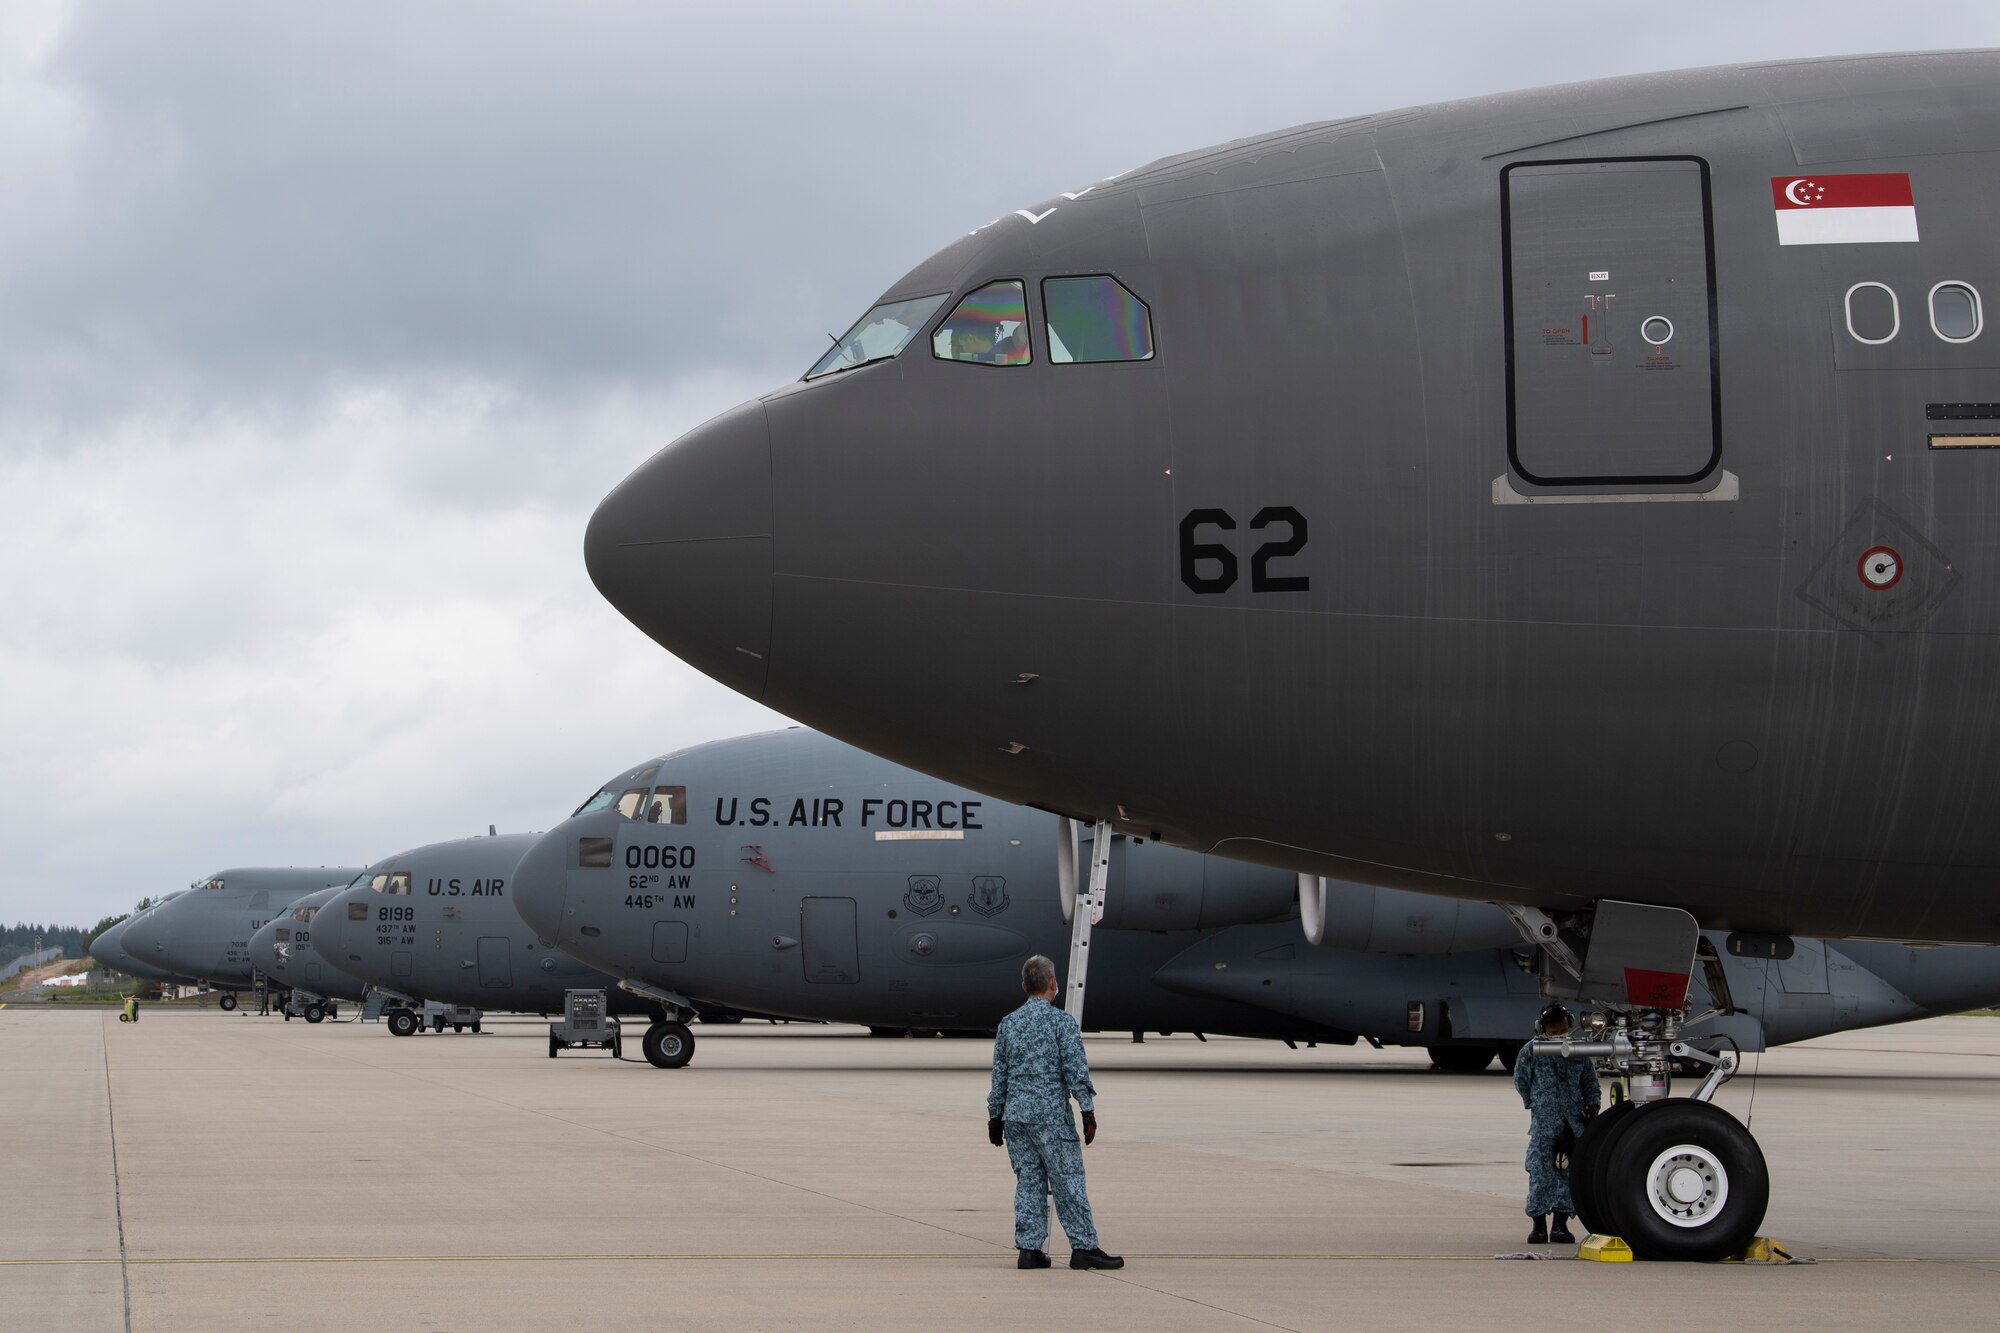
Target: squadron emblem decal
(989,895)
(925,895)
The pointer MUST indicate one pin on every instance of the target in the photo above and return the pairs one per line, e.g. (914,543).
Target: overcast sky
(323,328)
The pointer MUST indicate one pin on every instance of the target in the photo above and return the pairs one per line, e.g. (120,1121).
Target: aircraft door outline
(1612,349)
(829,947)
(496,970)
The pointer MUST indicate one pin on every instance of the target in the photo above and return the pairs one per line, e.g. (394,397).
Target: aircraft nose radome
(683,548)
(539,885)
(330,935)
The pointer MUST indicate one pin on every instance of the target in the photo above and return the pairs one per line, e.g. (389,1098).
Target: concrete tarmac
(213,1171)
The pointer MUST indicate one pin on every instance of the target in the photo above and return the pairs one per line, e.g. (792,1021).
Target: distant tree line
(19,938)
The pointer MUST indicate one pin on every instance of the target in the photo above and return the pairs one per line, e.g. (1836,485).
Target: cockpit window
(989,327)
(380,883)
(399,884)
(605,796)
(215,883)
(361,881)
(667,805)
(877,335)
(1095,319)
(303,914)
(614,794)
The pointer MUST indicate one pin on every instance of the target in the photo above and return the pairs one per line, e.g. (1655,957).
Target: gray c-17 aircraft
(434,923)
(283,948)
(108,948)
(1575,499)
(875,895)
(205,931)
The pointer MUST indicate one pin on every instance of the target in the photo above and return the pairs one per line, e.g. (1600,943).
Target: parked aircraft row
(789,875)
(1550,502)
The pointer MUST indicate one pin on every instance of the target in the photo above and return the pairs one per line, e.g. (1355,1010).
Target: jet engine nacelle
(1148,887)
(1338,914)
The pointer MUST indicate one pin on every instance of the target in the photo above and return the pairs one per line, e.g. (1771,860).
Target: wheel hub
(1687,1186)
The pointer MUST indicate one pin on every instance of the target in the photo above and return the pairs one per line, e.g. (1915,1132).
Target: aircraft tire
(226,1003)
(1586,1163)
(315,1013)
(1686,1181)
(1461,1059)
(403,1023)
(668,1045)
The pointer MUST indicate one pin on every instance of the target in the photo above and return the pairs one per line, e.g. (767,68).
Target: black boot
(1094,1259)
(1540,1235)
(1559,1233)
(1032,1259)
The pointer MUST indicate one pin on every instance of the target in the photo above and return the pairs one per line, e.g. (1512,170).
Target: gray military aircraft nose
(541,882)
(683,547)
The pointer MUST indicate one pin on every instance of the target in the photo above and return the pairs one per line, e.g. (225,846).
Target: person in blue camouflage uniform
(1559,1093)
(1038,1065)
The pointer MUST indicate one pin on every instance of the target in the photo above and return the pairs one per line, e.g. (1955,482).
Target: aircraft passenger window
(399,884)
(667,806)
(630,801)
(989,327)
(877,335)
(1955,312)
(1874,315)
(1095,319)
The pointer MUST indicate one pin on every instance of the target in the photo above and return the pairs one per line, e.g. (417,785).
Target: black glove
(995,1135)
(1089,1128)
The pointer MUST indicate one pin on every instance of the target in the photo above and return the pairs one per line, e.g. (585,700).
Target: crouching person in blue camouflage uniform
(1038,1065)
(1561,1094)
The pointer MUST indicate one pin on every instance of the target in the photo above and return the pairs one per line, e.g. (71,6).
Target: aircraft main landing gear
(668,1045)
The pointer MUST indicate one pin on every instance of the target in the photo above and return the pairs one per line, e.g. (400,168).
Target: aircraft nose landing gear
(1675,1178)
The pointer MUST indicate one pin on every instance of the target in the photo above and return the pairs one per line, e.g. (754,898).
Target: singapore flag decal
(1844,210)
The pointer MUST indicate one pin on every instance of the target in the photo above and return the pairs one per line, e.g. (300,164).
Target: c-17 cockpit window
(211,884)
(1095,319)
(667,805)
(877,335)
(380,882)
(989,327)
(399,884)
(630,801)
(604,797)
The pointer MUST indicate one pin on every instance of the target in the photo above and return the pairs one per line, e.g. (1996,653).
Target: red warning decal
(1655,990)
